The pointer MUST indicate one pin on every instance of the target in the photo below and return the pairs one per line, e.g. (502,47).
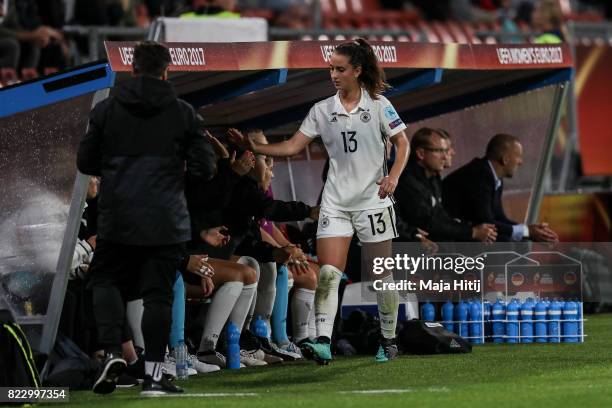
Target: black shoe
(108,374)
(249,341)
(136,370)
(270,348)
(126,381)
(152,388)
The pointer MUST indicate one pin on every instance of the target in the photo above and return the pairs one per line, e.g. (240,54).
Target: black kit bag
(69,366)
(420,337)
(16,356)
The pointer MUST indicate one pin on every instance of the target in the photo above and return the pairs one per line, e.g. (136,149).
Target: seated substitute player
(355,125)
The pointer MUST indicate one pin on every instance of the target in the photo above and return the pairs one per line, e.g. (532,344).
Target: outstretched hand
(236,137)
(217,145)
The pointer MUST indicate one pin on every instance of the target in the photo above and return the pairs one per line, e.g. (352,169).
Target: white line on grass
(396,391)
(206,394)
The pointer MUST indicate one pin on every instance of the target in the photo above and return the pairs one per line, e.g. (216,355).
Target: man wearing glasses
(419,193)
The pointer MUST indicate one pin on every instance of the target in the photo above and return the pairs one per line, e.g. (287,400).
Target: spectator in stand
(434,10)
(548,19)
(296,16)
(20,45)
(211,8)
(98,12)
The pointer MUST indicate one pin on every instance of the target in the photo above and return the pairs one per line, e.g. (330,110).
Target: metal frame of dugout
(269,85)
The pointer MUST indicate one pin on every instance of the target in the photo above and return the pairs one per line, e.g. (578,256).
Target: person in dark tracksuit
(143,142)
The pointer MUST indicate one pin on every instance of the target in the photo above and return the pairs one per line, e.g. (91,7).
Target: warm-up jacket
(419,200)
(141,140)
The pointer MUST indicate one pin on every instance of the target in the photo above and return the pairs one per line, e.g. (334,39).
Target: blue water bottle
(498,315)
(260,327)
(579,307)
(461,319)
(428,312)
(554,316)
(540,317)
(476,322)
(180,359)
(570,323)
(233,346)
(447,315)
(527,321)
(486,310)
(512,325)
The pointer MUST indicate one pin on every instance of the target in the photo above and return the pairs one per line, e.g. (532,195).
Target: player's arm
(289,147)
(402,149)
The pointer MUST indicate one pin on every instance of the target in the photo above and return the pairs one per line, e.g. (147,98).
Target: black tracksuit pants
(119,273)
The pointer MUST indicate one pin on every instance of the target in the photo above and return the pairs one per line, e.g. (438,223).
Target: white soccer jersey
(356,145)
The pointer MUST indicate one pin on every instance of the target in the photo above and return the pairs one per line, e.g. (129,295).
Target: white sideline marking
(396,391)
(206,394)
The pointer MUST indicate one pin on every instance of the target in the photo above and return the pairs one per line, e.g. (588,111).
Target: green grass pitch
(527,375)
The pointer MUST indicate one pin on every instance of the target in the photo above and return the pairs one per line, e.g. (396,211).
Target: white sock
(219,310)
(154,369)
(242,306)
(248,261)
(326,300)
(266,292)
(312,327)
(134,311)
(289,284)
(302,305)
(388,301)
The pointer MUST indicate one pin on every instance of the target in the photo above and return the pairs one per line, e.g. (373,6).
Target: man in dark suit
(473,192)
(419,193)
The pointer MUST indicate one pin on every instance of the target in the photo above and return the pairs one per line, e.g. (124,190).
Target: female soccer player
(355,125)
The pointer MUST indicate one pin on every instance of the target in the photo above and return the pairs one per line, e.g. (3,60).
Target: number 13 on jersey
(350,143)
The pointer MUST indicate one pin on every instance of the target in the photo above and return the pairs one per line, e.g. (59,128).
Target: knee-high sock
(177,330)
(266,292)
(388,301)
(134,312)
(247,260)
(326,299)
(279,311)
(312,326)
(301,308)
(219,310)
(243,304)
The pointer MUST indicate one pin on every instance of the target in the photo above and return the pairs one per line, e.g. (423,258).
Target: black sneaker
(126,381)
(152,388)
(249,341)
(270,348)
(108,374)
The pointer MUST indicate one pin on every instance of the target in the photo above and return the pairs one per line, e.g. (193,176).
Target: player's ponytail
(360,53)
